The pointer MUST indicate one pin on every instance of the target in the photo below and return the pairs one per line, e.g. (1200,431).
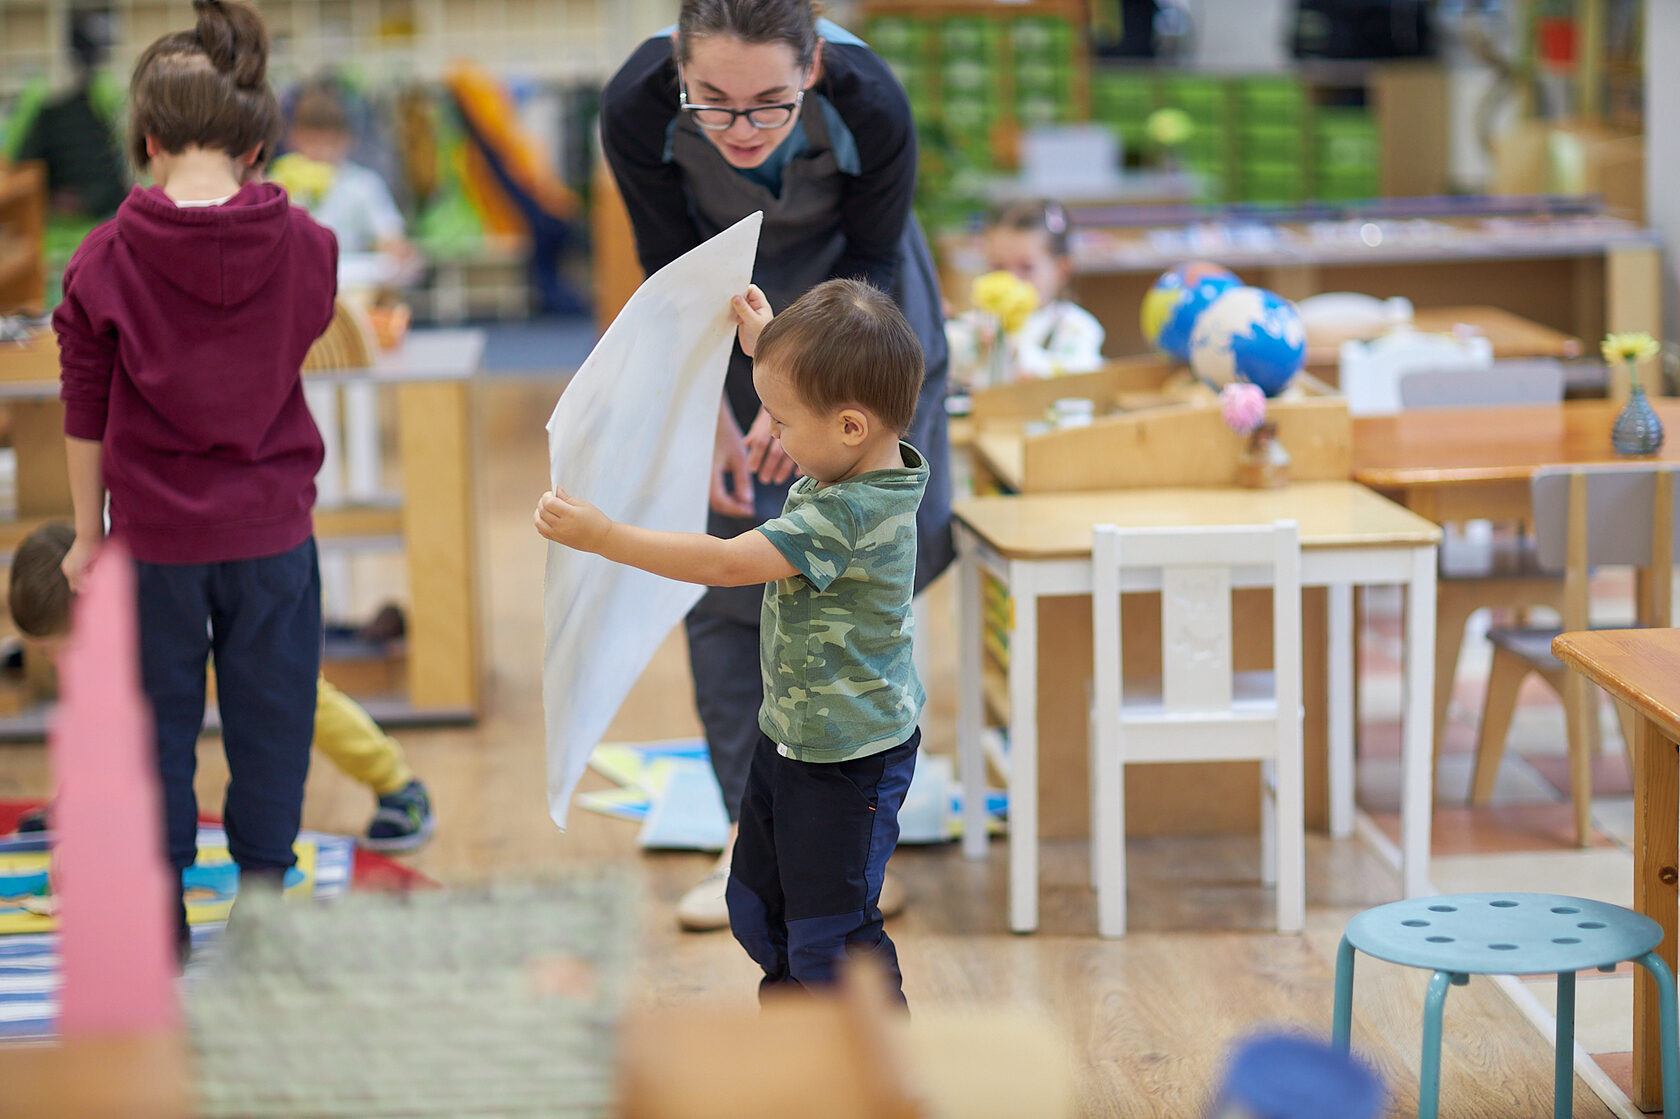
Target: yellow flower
(1628,347)
(1006,296)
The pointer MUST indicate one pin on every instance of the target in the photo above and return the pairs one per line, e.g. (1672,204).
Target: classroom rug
(328,866)
(668,787)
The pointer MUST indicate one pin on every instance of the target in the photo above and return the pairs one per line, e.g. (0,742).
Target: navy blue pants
(805,881)
(260,620)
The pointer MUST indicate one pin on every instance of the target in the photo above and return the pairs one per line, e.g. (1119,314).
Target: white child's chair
(1199,710)
(1369,373)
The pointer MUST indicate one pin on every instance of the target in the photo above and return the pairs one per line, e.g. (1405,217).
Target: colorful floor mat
(28,947)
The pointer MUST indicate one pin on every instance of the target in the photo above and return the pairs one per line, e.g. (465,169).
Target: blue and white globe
(1194,296)
(1249,334)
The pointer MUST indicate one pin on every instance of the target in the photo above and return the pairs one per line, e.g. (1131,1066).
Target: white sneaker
(703,908)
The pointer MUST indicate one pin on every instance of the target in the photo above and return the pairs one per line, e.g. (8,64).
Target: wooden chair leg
(1627,721)
(1452,613)
(1580,706)
(1505,678)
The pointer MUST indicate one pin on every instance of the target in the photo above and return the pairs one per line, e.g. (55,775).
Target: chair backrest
(1198,568)
(1585,516)
(1369,372)
(1529,381)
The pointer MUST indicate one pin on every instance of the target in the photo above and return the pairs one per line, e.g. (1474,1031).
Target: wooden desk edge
(1577,651)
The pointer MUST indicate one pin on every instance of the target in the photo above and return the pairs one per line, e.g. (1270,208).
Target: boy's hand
(576,524)
(752,312)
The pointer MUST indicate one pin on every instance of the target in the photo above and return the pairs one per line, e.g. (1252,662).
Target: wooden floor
(1147,1019)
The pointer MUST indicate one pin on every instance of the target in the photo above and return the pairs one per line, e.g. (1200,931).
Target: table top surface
(1058,525)
(1640,667)
(1511,336)
(30,371)
(1454,446)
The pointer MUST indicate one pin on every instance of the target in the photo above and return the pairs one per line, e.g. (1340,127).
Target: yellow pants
(355,744)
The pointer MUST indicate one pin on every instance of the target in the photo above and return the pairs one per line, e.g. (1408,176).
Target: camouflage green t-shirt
(834,640)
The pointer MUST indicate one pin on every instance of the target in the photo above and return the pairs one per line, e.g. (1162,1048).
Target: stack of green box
(970,101)
(905,45)
(1207,102)
(1123,100)
(1041,48)
(1345,154)
(1271,139)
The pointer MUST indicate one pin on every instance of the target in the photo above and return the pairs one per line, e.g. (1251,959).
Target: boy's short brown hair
(846,342)
(39,594)
(320,108)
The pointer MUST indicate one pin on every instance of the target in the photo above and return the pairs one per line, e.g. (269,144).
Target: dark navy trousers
(259,620)
(805,880)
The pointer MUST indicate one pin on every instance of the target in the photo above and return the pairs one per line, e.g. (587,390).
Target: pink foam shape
(110,875)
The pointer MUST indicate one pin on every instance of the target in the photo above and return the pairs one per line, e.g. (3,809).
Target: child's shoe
(403,822)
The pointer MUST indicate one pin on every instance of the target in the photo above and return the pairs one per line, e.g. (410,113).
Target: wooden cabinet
(23,209)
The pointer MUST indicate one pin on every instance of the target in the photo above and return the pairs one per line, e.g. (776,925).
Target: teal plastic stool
(1460,935)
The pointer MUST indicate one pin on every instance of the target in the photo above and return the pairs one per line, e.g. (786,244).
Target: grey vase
(1638,431)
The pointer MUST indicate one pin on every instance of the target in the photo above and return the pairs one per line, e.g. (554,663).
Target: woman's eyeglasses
(716,118)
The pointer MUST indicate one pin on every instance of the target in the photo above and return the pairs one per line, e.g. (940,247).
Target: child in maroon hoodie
(183,329)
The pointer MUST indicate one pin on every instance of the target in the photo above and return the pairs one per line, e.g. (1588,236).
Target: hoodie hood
(220,255)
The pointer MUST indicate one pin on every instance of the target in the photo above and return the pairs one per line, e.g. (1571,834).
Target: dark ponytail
(793,22)
(207,87)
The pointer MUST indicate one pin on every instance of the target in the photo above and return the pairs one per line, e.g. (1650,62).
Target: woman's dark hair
(207,87)
(793,22)
(1040,216)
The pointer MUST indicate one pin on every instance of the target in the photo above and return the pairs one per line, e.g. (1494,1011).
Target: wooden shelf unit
(23,215)
(381,40)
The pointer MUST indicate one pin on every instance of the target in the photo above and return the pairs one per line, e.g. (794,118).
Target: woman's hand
(567,520)
(752,313)
(765,456)
(77,560)
(729,458)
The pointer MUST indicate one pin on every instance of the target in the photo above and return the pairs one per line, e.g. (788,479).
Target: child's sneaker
(403,822)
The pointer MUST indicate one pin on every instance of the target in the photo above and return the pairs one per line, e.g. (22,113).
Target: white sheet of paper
(633,434)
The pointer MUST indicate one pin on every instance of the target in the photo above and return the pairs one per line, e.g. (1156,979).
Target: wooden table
(1039,545)
(1641,668)
(432,374)
(1511,336)
(1460,464)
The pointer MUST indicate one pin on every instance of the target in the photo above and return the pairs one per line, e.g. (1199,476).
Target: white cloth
(633,434)
(1060,337)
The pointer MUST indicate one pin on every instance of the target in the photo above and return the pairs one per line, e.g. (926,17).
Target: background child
(349,199)
(1030,239)
(40,597)
(183,328)
(839,373)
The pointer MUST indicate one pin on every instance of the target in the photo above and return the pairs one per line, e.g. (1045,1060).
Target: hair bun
(234,39)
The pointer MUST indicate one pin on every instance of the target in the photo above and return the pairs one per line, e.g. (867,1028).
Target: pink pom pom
(1243,406)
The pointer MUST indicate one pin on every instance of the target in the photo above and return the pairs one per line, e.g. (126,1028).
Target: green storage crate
(967,115)
(1273,182)
(1043,77)
(1353,184)
(1042,38)
(1271,143)
(1344,139)
(899,37)
(1117,93)
(1276,101)
(1036,109)
(965,37)
(966,78)
(1204,99)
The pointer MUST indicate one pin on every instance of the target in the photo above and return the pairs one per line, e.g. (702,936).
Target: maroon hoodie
(181,336)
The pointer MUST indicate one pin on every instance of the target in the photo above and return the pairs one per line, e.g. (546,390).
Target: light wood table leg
(971,752)
(1340,700)
(1417,750)
(1023,750)
(43,475)
(440,534)
(1656,848)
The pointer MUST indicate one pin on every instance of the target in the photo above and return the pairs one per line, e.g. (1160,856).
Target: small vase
(1637,431)
(1264,464)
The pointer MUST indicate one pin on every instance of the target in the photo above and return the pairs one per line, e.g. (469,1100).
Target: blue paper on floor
(670,788)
